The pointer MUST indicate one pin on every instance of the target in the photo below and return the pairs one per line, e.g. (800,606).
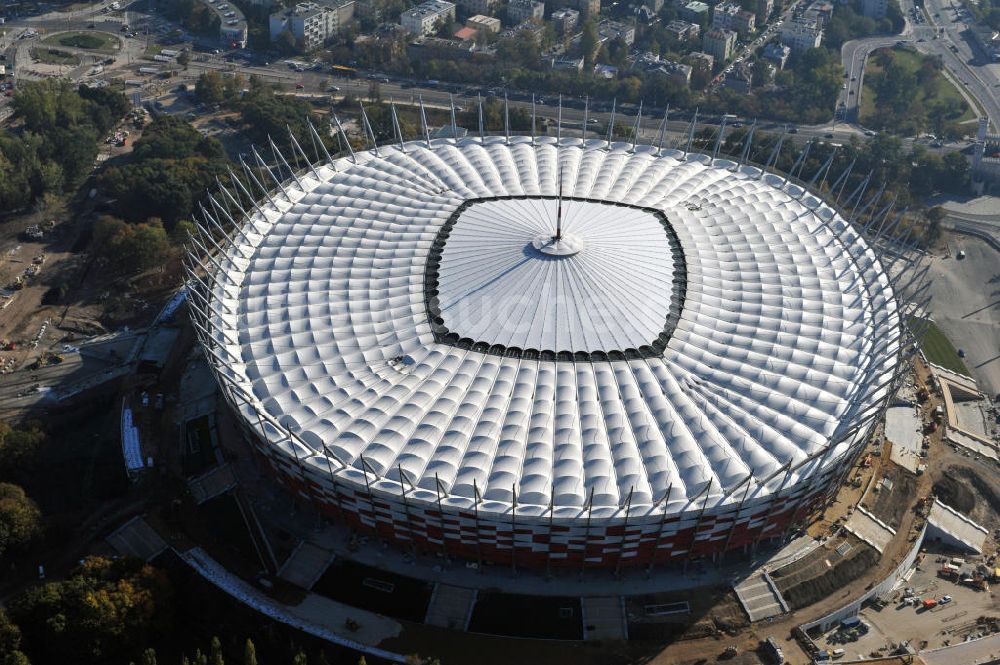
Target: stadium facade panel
(551,353)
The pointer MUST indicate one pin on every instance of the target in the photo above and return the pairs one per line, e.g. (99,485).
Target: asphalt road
(405,92)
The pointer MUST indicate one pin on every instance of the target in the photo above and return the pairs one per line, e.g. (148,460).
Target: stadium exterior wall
(544,540)
(532,536)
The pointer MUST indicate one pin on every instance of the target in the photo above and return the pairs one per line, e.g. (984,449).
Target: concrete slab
(759,597)
(212,483)
(306,565)
(976,652)
(902,429)
(604,618)
(870,529)
(952,527)
(451,607)
(136,538)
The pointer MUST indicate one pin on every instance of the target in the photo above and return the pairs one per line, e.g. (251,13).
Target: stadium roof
(699,329)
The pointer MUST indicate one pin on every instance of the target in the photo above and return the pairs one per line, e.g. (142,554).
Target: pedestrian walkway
(306,565)
(759,597)
(212,483)
(451,607)
(870,529)
(136,538)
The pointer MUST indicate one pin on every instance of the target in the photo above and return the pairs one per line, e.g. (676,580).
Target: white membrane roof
(612,292)
(319,315)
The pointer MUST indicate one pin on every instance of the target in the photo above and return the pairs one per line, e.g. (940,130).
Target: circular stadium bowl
(552,353)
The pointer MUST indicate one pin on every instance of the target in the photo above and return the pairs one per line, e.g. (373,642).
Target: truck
(929,603)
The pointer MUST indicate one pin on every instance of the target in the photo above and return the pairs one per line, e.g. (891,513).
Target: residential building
(695,11)
(425,18)
(874,8)
(655,5)
(719,43)
(525,10)
(589,7)
(566,63)
(234,33)
(312,23)
(801,34)
(484,7)
(776,54)
(483,24)
(609,30)
(739,78)
(447,49)
(699,61)
(766,7)
(822,12)
(565,21)
(682,30)
(675,72)
(730,16)
(606,72)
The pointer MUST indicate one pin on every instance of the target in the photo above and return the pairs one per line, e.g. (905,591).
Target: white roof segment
(612,292)
(321,313)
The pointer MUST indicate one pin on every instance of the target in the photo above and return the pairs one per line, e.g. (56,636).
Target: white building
(800,35)
(609,30)
(730,16)
(425,18)
(312,23)
(525,10)
(483,24)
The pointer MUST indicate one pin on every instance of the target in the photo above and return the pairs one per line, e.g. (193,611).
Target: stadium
(549,352)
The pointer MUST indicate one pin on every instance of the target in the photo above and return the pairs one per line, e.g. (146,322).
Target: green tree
(300,659)
(105,609)
(590,42)
(215,649)
(148,657)
(249,653)
(209,88)
(184,59)
(20,518)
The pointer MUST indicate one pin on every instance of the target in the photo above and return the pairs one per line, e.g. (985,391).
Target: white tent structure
(549,350)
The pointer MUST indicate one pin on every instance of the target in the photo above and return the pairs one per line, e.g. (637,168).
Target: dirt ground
(889,505)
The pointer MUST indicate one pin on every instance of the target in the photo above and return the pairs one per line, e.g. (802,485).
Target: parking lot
(897,622)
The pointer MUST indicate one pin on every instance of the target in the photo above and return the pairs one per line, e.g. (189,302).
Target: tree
(590,41)
(20,518)
(215,649)
(249,653)
(149,657)
(208,89)
(105,609)
(184,59)
(131,247)
(10,642)
(300,659)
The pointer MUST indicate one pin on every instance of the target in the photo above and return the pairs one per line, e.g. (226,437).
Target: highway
(964,63)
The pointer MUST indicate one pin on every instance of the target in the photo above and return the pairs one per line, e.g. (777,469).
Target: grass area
(940,351)
(935,91)
(51,56)
(91,41)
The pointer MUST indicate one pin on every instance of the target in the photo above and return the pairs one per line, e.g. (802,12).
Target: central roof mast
(558,236)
